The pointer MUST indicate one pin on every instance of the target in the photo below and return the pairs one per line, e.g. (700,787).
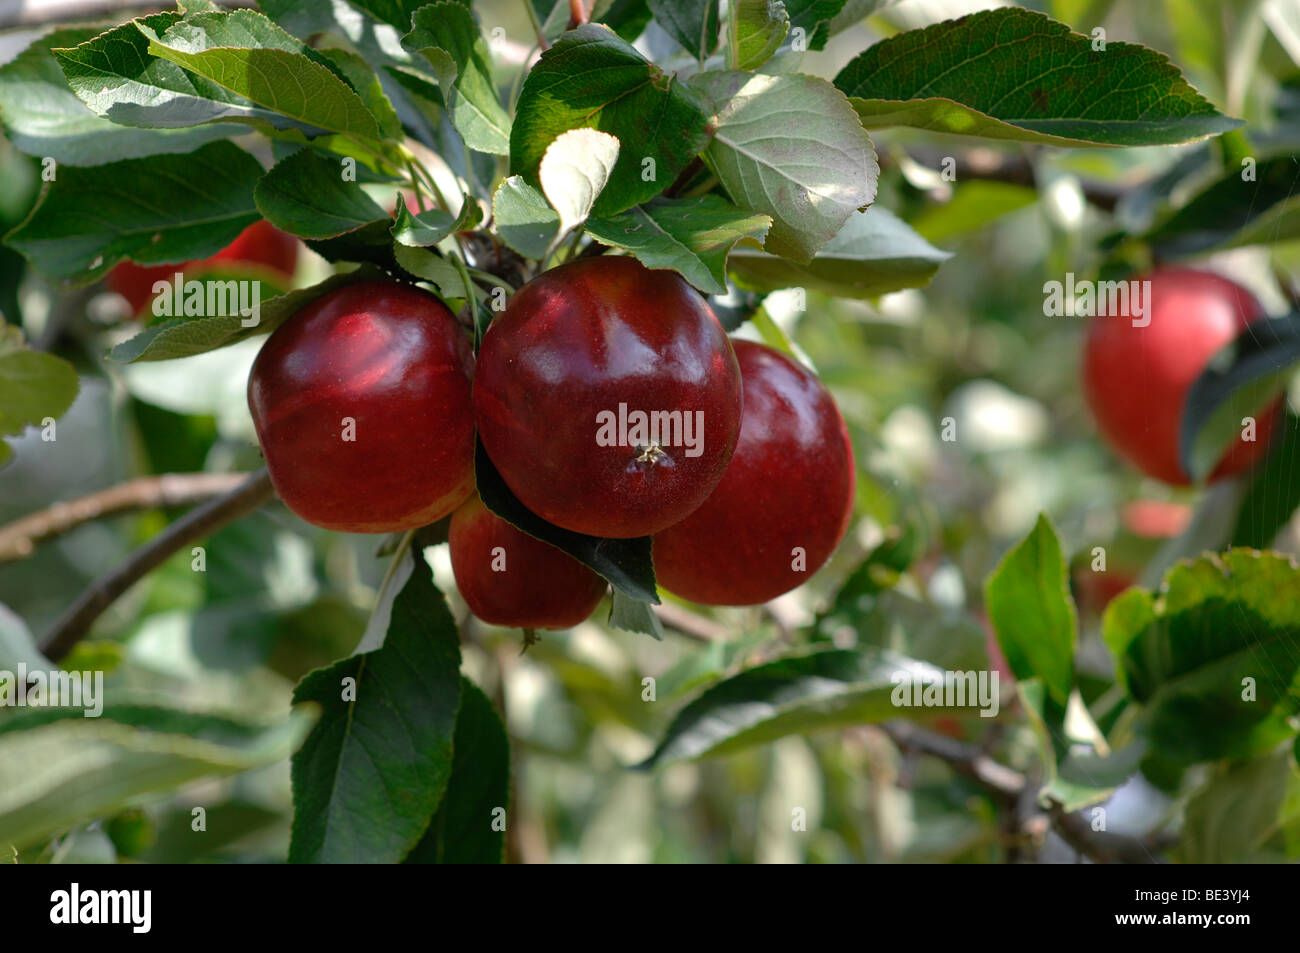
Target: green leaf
(185,337)
(625,563)
(592,79)
(1029,604)
(43,117)
(414,97)
(1243,377)
(574,171)
(397,13)
(373,771)
(427,228)
(116,77)
(974,205)
(705,665)
(691,236)
(524,219)
(362,77)
(1084,14)
(1231,212)
(1215,661)
(208,202)
(371,243)
(1080,769)
(874,253)
(760,29)
(59,769)
(1273,495)
(798,695)
(854,12)
(33,386)
(1011,73)
(446,35)
(633,615)
(1229,818)
(245,52)
(427,265)
(469,827)
(433,225)
(814,18)
(692,23)
(879,571)
(306,194)
(1126,616)
(627,18)
(787,146)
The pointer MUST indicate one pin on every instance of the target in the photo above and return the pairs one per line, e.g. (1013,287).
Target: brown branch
(19,538)
(689,624)
(693,168)
(577,14)
(76,621)
(1011,788)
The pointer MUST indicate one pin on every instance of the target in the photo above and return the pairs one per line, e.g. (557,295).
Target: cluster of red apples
(368,402)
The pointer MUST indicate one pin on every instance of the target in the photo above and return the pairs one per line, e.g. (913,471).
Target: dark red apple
(1136,379)
(363,407)
(259,244)
(1094,590)
(509,578)
(785,501)
(563,374)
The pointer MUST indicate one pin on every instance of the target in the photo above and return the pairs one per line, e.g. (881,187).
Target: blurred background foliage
(280,598)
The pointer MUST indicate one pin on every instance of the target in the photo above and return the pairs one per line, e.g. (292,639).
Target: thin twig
(200,522)
(542,42)
(689,624)
(19,538)
(1010,787)
(577,14)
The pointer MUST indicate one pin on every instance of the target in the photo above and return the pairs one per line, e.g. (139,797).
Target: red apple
(363,407)
(563,374)
(259,244)
(1095,589)
(1156,519)
(1136,379)
(509,578)
(785,501)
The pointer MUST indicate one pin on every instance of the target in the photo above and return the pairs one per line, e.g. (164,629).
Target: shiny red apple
(362,405)
(608,397)
(784,503)
(259,244)
(510,578)
(1136,379)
